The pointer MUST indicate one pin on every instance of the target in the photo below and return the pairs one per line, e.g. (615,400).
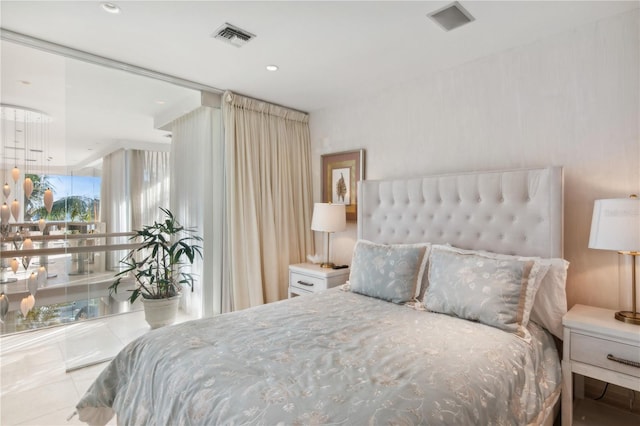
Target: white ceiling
(328,51)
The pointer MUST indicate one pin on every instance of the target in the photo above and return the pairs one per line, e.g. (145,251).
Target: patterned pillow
(495,292)
(550,304)
(388,272)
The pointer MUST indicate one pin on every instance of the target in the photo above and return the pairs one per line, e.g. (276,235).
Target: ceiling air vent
(233,35)
(451,16)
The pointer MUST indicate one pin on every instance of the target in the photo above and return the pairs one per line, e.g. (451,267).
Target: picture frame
(341,172)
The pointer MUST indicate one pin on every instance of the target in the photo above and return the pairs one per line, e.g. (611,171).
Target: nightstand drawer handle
(623,361)
(305,283)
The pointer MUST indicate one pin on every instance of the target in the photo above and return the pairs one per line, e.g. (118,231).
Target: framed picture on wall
(341,172)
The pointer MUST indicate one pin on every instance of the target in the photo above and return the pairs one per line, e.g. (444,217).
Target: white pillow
(551,300)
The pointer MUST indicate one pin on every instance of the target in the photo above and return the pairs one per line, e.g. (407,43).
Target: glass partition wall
(75,136)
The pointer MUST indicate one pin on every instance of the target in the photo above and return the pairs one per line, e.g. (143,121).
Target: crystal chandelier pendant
(32,283)
(4,306)
(28,187)
(27,244)
(27,304)
(15,209)
(15,174)
(5,213)
(14,265)
(42,276)
(48,200)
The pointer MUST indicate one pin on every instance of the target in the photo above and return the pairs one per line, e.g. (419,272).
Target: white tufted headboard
(511,212)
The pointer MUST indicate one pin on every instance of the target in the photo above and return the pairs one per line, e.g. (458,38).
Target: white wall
(571,100)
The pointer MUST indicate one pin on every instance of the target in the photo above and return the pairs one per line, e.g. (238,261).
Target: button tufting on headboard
(518,211)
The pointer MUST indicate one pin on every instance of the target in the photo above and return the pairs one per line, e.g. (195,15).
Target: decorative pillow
(550,304)
(388,272)
(495,292)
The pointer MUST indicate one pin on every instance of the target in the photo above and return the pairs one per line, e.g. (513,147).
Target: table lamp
(328,218)
(616,226)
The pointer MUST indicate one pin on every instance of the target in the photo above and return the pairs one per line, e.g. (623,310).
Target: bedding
(345,358)
(328,358)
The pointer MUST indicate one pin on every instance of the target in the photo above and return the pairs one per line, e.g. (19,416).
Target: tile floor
(41,374)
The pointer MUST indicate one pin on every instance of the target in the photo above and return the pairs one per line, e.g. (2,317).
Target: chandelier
(25,141)
(25,138)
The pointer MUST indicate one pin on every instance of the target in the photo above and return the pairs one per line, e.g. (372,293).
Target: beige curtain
(269,197)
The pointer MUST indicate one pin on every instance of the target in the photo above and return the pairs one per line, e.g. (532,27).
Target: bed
(456,286)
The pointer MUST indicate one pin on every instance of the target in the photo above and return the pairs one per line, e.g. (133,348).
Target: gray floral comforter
(329,358)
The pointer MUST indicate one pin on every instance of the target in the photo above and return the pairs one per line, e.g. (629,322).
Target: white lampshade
(329,217)
(616,225)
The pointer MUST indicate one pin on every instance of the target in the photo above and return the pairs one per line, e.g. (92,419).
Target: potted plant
(156,266)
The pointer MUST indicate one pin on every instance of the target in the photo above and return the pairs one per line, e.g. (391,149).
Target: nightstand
(599,346)
(307,278)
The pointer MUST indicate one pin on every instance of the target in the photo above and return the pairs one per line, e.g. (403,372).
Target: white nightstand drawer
(306,278)
(594,351)
(307,282)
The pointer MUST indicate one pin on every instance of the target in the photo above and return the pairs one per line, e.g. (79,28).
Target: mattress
(328,358)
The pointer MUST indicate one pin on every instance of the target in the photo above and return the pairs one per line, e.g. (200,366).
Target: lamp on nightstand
(616,226)
(328,218)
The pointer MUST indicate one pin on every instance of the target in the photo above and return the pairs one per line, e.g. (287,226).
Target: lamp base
(327,265)
(628,317)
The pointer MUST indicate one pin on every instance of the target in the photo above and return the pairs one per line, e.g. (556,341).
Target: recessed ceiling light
(25,82)
(110,7)
(160,102)
(272,68)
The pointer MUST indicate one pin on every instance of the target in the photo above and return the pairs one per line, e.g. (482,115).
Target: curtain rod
(81,55)
(266,102)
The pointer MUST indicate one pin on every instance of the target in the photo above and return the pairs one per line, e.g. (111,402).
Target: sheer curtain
(197,200)
(269,196)
(150,177)
(115,209)
(134,185)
